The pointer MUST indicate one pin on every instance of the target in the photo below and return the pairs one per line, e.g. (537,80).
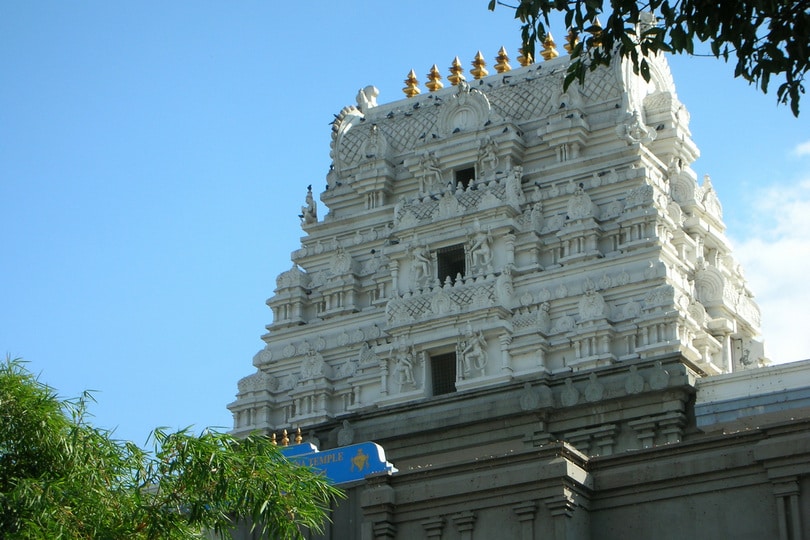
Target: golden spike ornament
(525,59)
(502,61)
(411,85)
(298,438)
(273,439)
(571,40)
(478,71)
(456,72)
(549,48)
(596,31)
(434,79)
(285,440)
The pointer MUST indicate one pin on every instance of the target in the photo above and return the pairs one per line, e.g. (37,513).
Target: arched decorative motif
(467,110)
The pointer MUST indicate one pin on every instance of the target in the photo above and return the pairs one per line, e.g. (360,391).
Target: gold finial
(298,438)
(411,85)
(525,59)
(571,40)
(434,79)
(549,48)
(596,31)
(284,439)
(273,439)
(478,64)
(456,72)
(502,61)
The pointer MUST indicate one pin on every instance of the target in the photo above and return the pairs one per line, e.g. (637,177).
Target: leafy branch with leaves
(60,477)
(765,38)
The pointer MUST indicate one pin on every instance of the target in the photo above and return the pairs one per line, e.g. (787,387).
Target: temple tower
(504,267)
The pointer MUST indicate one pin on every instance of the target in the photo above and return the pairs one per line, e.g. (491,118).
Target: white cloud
(802,149)
(776,261)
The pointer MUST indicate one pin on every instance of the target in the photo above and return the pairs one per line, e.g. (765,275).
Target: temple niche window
(451,263)
(443,373)
(463,177)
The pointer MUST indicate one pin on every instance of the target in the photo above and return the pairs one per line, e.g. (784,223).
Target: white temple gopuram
(525,295)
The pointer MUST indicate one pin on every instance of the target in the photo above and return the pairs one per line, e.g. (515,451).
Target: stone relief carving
(313,366)
(535,398)
(367,356)
(592,306)
(421,265)
(710,200)
(472,352)
(257,382)
(309,212)
(375,146)
(659,378)
(294,277)
(481,250)
(448,207)
(347,369)
(594,390)
(543,318)
(634,131)
(504,288)
(529,399)
(487,158)
(430,173)
(341,262)
(639,196)
(580,205)
(264,356)
(569,395)
(634,384)
(345,435)
(514,187)
(402,372)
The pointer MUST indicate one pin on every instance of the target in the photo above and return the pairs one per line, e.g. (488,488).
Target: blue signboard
(341,465)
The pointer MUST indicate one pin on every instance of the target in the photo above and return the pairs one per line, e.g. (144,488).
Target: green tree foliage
(766,38)
(60,477)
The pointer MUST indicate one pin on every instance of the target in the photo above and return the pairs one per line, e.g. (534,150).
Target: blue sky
(153,157)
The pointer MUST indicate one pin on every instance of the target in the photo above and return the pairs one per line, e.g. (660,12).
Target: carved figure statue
(421,264)
(473,351)
(431,172)
(543,318)
(403,367)
(489,159)
(309,212)
(367,98)
(514,188)
(481,250)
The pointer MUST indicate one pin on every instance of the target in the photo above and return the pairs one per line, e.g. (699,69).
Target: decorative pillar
(645,431)
(378,503)
(671,427)
(506,359)
(384,376)
(525,513)
(465,523)
(562,508)
(433,528)
(509,238)
(394,266)
(788,510)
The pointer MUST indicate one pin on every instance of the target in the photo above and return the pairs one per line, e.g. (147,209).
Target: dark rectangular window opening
(465,176)
(450,262)
(443,373)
